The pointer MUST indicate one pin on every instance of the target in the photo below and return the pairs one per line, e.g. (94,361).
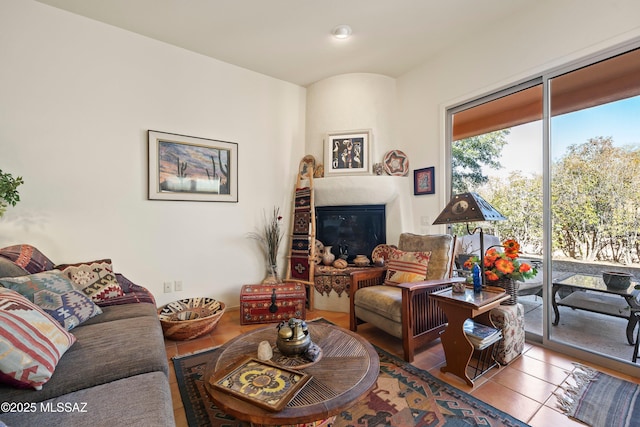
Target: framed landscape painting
(189,168)
(347,153)
(423,181)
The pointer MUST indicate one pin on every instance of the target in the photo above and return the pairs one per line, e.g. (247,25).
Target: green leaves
(470,155)
(9,190)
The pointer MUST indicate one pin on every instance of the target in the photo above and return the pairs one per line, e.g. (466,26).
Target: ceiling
(290,39)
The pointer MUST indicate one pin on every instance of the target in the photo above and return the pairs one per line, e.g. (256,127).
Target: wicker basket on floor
(190,318)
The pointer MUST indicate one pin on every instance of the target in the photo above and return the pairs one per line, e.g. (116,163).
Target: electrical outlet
(178,285)
(168,287)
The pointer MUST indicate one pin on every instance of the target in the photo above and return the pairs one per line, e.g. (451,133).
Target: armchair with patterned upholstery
(398,302)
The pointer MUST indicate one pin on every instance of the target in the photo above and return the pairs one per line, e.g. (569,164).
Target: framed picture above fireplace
(347,153)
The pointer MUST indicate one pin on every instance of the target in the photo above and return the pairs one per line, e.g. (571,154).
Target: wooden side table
(348,369)
(458,308)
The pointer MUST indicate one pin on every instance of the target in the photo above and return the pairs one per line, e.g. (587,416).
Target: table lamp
(470,207)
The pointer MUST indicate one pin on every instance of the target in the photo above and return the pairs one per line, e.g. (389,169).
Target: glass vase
(272,275)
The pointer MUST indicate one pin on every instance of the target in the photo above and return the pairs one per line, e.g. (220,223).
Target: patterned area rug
(404,396)
(598,399)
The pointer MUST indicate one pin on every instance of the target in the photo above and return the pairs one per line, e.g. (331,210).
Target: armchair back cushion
(440,246)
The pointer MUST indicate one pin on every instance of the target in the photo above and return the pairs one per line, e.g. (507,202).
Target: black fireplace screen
(351,230)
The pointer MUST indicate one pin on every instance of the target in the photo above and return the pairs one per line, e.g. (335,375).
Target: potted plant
(504,269)
(269,240)
(8,191)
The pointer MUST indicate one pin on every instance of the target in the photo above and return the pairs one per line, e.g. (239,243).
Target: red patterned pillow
(27,257)
(404,267)
(96,279)
(31,342)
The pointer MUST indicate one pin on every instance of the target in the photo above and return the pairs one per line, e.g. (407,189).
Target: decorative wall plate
(382,251)
(396,163)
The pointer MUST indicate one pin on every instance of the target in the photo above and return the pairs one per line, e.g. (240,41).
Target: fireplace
(351,230)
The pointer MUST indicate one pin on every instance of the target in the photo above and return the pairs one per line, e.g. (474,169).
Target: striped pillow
(31,342)
(404,267)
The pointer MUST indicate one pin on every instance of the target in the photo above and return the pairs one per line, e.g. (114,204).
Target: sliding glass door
(497,152)
(559,156)
(595,204)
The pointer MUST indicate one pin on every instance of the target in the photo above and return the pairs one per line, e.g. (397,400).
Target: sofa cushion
(103,352)
(27,257)
(404,267)
(140,401)
(56,295)
(123,311)
(31,342)
(96,279)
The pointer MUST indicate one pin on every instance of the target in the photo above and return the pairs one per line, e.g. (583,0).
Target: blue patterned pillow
(56,295)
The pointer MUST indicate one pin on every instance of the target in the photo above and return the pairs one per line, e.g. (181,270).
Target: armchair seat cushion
(384,300)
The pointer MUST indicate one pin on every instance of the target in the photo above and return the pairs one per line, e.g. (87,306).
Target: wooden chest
(272,303)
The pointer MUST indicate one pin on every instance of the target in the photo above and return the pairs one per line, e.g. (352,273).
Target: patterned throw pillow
(404,267)
(31,342)
(95,279)
(56,295)
(27,257)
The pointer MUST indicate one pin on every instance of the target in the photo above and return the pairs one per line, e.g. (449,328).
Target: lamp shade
(468,207)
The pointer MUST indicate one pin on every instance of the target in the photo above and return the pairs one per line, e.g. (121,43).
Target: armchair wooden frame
(422,318)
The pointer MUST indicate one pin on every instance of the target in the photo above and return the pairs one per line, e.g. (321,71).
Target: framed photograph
(189,168)
(423,181)
(264,384)
(347,153)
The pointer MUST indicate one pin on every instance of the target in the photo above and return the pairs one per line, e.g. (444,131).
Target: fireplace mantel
(358,190)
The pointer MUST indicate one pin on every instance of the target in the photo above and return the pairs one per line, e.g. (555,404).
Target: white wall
(551,33)
(362,101)
(76,100)
(77,96)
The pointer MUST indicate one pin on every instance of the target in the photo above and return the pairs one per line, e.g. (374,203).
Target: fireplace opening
(351,230)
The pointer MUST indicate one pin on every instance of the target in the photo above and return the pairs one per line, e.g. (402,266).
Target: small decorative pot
(340,263)
(327,256)
(361,261)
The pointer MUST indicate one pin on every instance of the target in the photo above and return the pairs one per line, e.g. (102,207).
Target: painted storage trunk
(272,303)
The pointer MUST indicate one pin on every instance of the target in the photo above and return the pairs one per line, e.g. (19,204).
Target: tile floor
(523,389)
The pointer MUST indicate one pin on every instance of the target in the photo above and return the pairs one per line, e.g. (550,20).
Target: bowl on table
(616,280)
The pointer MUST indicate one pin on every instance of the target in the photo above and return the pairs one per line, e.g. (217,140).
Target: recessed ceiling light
(341,32)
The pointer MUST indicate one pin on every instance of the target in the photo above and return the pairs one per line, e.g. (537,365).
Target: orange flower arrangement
(498,265)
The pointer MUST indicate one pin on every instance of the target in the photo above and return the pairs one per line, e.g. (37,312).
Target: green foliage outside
(596,202)
(8,191)
(470,155)
(594,198)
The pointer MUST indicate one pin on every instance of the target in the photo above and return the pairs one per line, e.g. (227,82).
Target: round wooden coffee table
(347,370)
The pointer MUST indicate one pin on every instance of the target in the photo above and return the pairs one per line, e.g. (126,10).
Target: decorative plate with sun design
(261,383)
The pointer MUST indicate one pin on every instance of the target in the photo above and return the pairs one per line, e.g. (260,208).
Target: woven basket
(511,286)
(190,318)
